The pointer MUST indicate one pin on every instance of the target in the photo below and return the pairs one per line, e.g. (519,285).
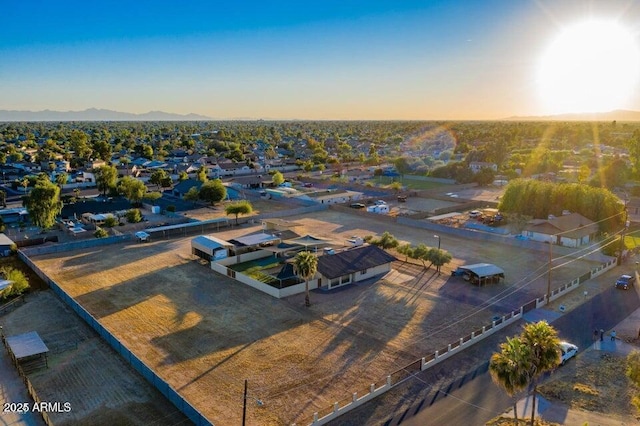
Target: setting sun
(590,67)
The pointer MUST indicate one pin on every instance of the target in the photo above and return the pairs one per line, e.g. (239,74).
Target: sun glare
(591,67)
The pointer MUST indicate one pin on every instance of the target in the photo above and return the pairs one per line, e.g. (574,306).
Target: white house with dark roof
(352,265)
(571,230)
(476,166)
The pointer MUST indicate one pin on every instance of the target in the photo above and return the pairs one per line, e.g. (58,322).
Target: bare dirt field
(83,370)
(205,333)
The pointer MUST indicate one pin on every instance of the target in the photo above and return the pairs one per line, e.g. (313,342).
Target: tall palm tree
(305,265)
(510,368)
(544,347)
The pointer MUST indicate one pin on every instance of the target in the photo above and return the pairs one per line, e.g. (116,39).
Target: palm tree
(544,347)
(305,266)
(510,368)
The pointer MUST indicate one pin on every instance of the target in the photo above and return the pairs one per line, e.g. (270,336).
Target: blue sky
(285,59)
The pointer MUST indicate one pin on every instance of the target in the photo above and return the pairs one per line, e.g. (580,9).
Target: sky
(330,59)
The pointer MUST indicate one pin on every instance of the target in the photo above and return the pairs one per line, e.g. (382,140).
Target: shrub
(110,222)
(134,216)
(100,233)
(20,282)
(171,208)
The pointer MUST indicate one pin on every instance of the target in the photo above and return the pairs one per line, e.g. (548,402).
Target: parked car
(357,206)
(475,213)
(625,281)
(568,351)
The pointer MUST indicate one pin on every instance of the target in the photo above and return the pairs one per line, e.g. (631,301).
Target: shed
(480,273)
(210,248)
(26,346)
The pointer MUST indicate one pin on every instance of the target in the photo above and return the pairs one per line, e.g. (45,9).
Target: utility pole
(244,403)
(549,272)
(626,225)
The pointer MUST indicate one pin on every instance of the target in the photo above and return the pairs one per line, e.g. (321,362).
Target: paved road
(450,394)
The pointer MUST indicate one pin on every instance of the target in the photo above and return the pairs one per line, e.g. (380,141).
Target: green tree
(152,196)
(421,253)
(100,233)
(106,178)
(102,149)
(202,174)
(25,183)
(484,176)
(439,257)
(510,368)
(61,178)
(405,249)
(132,189)
(110,222)
(238,208)
(43,204)
(213,191)
(277,178)
(3,198)
(147,152)
(386,241)
(182,176)
(305,265)
(157,176)
(544,350)
(19,282)
(134,216)
(192,195)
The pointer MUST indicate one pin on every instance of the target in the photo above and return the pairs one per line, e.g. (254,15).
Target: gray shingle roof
(352,260)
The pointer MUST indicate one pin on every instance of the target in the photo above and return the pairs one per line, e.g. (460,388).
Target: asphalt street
(445,394)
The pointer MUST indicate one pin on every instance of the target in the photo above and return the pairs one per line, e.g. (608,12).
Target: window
(363,272)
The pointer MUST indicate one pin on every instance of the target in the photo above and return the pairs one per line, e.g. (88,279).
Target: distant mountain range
(617,115)
(93,114)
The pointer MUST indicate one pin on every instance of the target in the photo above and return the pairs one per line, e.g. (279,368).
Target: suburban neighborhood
(319,289)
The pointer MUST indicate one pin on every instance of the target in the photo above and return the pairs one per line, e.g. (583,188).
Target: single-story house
(332,196)
(352,265)
(210,248)
(476,166)
(570,230)
(183,187)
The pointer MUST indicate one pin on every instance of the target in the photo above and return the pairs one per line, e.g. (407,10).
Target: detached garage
(210,248)
(480,273)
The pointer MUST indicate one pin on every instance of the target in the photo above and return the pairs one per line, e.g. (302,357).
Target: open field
(84,371)
(205,333)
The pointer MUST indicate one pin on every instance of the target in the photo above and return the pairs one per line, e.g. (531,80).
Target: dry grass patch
(595,382)
(510,421)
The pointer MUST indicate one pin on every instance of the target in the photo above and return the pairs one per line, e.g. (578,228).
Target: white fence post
(355,396)
(335,407)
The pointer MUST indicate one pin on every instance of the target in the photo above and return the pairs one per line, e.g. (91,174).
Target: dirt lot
(83,370)
(206,333)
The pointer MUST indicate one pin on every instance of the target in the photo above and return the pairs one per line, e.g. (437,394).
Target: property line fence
(27,383)
(169,392)
(396,377)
